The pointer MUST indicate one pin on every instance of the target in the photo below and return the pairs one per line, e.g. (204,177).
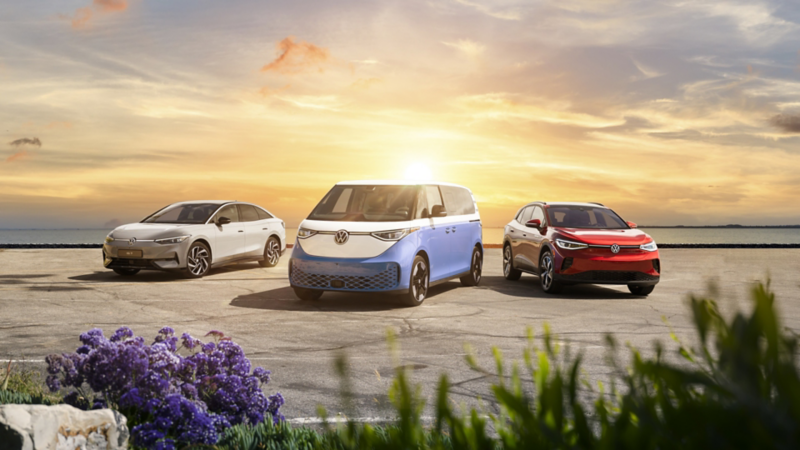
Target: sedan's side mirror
(631,224)
(535,223)
(438,211)
(223,220)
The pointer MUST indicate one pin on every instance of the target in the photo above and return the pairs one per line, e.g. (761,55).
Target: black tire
(272,253)
(126,272)
(311,295)
(475,269)
(419,282)
(198,260)
(509,272)
(638,289)
(547,270)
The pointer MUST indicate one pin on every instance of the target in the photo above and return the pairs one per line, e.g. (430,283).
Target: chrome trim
(608,246)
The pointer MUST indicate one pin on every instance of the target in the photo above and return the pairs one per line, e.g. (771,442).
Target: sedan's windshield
(584,217)
(361,203)
(190,213)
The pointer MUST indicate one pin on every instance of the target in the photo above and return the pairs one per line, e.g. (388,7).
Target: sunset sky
(671,112)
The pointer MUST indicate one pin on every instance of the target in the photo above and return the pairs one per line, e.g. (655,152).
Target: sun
(418,172)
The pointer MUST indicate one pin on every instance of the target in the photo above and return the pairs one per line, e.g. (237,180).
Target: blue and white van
(388,236)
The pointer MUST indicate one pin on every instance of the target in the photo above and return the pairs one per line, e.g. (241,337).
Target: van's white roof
(399,183)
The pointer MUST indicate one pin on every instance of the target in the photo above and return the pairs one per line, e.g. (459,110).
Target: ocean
(490,236)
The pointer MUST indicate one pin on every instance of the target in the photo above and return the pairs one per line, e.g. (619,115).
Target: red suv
(575,243)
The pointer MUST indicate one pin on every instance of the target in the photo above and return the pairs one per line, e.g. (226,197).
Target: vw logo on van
(615,248)
(131,241)
(341,237)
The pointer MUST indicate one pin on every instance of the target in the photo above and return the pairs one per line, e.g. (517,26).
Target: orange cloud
(64,124)
(298,57)
(365,83)
(267,91)
(84,15)
(17,156)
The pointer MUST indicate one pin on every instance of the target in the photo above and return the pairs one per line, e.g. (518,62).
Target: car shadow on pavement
(528,286)
(283,299)
(158,276)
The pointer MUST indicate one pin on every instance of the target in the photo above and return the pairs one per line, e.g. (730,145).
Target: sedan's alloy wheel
(273,252)
(197,260)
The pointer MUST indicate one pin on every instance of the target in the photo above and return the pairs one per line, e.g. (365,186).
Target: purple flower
(121,334)
(189,342)
(263,375)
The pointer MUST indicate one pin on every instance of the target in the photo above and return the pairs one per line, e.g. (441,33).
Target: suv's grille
(344,276)
(609,276)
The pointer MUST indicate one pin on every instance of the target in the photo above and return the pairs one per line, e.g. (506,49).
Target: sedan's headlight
(571,245)
(303,233)
(394,235)
(109,239)
(650,246)
(173,240)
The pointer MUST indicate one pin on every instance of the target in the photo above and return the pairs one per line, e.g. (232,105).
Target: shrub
(169,399)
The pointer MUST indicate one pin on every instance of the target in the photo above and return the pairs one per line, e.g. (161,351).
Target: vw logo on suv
(131,241)
(341,237)
(615,248)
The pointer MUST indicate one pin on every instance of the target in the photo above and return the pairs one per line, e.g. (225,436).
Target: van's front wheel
(307,294)
(418,283)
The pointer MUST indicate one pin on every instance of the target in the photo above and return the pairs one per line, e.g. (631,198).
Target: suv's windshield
(191,213)
(362,203)
(584,217)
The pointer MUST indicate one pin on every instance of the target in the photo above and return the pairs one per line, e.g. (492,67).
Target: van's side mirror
(535,223)
(438,211)
(223,220)
(631,224)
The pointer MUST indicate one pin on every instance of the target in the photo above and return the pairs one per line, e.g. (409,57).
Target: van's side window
(434,197)
(458,201)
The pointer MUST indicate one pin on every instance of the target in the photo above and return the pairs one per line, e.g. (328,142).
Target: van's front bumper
(387,272)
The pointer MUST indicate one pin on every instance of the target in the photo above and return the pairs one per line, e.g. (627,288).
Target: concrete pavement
(48,297)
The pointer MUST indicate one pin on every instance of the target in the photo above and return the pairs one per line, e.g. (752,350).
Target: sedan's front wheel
(198,260)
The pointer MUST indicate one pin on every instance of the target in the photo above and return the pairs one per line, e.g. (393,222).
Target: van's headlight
(571,245)
(394,235)
(173,240)
(303,233)
(650,246)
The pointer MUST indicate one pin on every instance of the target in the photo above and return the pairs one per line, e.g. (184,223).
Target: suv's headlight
(571,245)
(303,233)
(173,240)
(394,235)
(650,246)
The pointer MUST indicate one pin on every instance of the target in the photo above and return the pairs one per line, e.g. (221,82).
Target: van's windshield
(362,203)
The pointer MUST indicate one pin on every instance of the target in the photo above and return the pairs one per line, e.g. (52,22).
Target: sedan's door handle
(511,231)
(265,229)
(241,231)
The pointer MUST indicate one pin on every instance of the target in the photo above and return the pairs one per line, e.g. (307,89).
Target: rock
(61,427)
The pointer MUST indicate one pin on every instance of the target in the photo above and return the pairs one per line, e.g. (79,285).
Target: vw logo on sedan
(131,241)
(341,237)
(615,248)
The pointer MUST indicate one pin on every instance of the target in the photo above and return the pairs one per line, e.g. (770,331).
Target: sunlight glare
(418,172)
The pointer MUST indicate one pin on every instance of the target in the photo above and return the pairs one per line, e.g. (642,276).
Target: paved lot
(48,297)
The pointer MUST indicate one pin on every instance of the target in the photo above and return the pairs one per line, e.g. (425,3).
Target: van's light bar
(303,233)
(394,235)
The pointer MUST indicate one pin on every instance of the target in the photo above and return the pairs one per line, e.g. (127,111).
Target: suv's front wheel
(547,273)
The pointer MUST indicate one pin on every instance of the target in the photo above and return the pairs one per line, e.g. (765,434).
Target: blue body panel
(449,254)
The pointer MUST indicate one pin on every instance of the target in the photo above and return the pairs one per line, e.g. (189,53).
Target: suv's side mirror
(438,211)
(631,224)
(535,223)
(223,220)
